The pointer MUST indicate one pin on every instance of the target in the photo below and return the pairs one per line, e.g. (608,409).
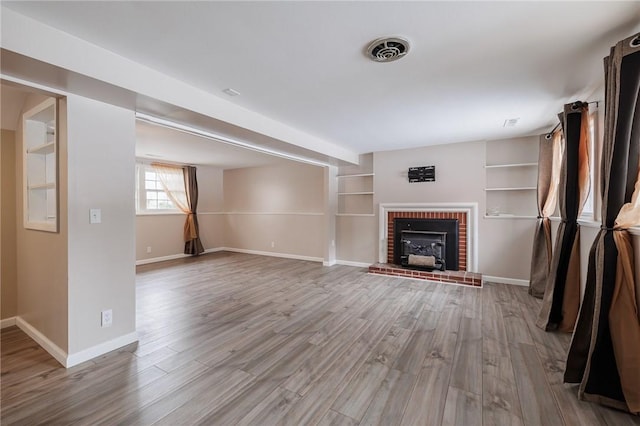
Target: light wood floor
(239,339)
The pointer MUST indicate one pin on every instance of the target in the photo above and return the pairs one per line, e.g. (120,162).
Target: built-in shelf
(44,149)
(47,185)
(511,173)
(520,188)
(355,193)
(509,216)
(502,166)
(355,175)
(40,166)
(355,189)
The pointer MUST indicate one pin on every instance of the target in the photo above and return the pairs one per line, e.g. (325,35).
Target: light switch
(95,216)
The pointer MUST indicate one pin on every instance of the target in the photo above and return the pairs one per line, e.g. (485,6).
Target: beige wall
(8,224)
(101,169)
(504,244)
(278,209)
(164,232)
(42,257)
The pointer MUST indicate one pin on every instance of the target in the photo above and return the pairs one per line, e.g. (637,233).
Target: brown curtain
(192,244)
(604,356)
(562,293)
(549,164)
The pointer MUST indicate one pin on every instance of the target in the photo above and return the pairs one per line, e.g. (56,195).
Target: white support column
(330,210)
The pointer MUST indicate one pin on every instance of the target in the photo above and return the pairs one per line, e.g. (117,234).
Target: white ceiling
(471,65)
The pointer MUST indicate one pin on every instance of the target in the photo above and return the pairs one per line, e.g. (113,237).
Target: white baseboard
(330,263)
(46,344)
(173,256)
(7,322)
(273,254)
(512,281)
(100,349)
(350,263)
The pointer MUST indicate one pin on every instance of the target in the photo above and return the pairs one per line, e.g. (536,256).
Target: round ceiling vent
(387,49)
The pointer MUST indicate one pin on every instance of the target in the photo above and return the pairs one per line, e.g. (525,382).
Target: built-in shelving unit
(40,166)
(355,194)
(511,179)
(355,189)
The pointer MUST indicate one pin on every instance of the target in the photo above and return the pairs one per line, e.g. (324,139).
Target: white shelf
(502,166)
(355,193)
(47,185)
(356,214)
(44,149)
(40,166)
(521,188)
(509,216)
(356,175)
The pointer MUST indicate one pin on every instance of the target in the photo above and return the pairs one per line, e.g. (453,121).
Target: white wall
(277,209)
(101,170)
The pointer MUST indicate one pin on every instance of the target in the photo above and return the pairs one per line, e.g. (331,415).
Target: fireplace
(467,241)
(432,243)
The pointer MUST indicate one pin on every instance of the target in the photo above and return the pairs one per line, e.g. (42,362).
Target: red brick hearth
(473,279)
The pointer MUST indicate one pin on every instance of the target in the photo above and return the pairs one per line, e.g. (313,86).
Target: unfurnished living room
(320,212)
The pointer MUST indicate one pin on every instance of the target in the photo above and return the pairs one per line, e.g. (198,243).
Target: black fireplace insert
(430,237)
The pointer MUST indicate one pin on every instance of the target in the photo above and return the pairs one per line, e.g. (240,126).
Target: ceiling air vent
(510,122)
(387,49)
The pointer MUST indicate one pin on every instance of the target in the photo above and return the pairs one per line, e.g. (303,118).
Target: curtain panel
(561,300)
(549,164)
(184,195)
(604,356)
(192,244)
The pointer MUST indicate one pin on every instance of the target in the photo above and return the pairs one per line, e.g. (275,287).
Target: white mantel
(471,209)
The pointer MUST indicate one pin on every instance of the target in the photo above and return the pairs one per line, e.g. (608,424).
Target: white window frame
(141,193)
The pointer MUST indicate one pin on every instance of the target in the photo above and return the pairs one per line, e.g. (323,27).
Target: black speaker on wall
(422,174)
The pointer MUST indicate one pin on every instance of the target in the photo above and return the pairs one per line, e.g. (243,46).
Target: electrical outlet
(149,249)
(107,318)
(273,244)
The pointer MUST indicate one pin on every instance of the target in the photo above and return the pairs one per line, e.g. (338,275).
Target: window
(589,211)
(150,194)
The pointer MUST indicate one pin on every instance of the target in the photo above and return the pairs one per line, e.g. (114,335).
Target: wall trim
(173,256)
(502,280)
(276,213)
(326,263)
(274,254)
(7,322)
(100,349)
(356,264)
(42,340)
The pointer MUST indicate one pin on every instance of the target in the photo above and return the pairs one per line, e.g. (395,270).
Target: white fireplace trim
(471,209)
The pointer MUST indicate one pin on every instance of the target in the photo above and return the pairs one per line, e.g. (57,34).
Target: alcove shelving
(511,179)
(355,194)
(40,166)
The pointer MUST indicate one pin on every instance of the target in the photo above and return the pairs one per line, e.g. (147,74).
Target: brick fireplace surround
(463,276)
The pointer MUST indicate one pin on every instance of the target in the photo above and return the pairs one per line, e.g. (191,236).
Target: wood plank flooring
(230,339)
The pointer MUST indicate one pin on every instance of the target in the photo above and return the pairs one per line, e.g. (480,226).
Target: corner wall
(42,257)
(8,225)
(504,244)
(101,264)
